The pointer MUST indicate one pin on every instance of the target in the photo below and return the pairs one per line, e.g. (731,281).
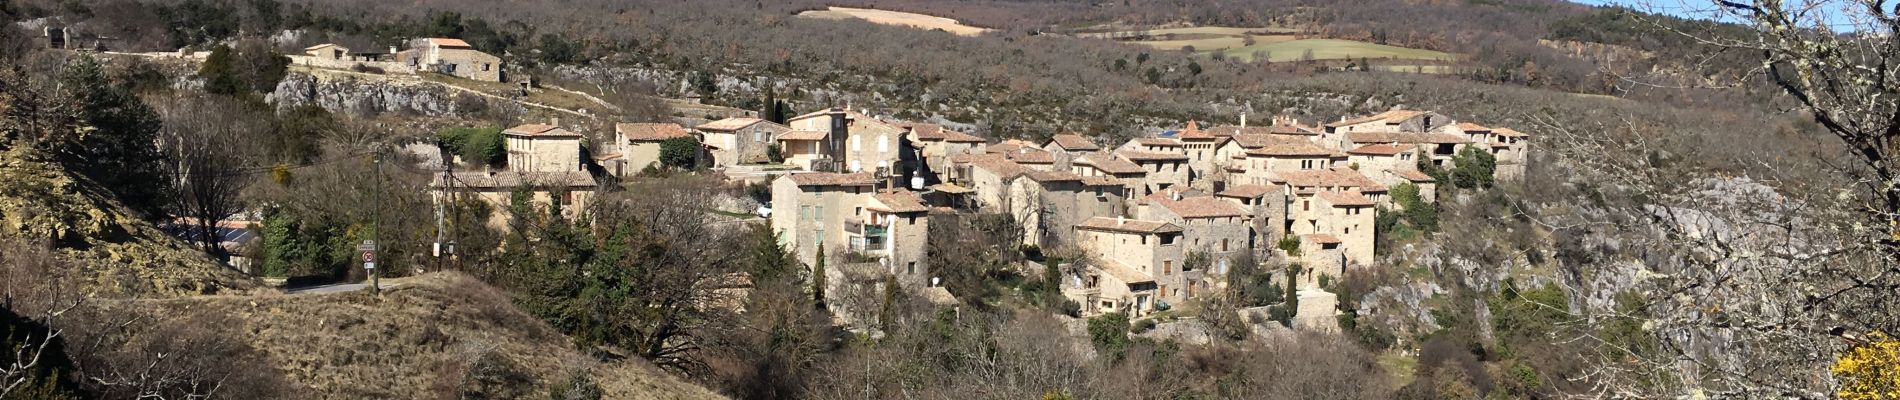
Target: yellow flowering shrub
(1871,370)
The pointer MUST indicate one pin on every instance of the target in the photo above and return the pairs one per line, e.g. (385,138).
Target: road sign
(369,256)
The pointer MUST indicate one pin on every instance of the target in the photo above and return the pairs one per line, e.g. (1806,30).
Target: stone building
(734,141)
(818,209)
(857,142)
(1163,171)
(895,230)
(571,190)
(937,144)
(1266,212)
(542,148)
(636,146)
(1133,265)
(1210,226)
(1075,145)
(452,57)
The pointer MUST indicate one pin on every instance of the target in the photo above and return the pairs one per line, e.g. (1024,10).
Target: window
(857,143)
(1164,289)
(1167,239)
(910,268)
(1223,244)
(1306,205)
(881,143)
(485,66)
(1167,267)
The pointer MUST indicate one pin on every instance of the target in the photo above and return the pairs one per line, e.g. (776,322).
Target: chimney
(1176,195)
(1243,120)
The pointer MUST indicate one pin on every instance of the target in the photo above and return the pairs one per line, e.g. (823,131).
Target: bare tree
(209,146)
(32,290)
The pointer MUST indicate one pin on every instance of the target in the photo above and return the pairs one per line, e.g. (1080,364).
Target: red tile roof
(1158,142)
(1127,225)
(1322,238)
(1414,175)
(1193,132)
(649,132)
(450,42)
(1139,156)
(1510,132)
(729,124)
(803,135)
(1031,155)
(1328,178)
(1247,191)
(1345,199)
(1110,164)
(898,201)
(1472,127)
(832,179)
(1405,137)
(1296,148)
(539,130)
(1199,207)
(1380,149)
(1122,272)
(1053,176)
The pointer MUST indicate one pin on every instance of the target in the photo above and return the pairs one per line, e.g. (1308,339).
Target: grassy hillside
(415,340)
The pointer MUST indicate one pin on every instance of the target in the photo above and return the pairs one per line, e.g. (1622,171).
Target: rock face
(111,252)
(348,94)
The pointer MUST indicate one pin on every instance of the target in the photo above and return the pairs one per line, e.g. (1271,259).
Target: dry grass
(409,341)
(914,20)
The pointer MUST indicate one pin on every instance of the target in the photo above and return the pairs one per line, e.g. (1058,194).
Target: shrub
(1291,244)
(680,152)
(1109,333)
(480,146)
(1473,168)
(1071,308)
(367,69)
(1144,326)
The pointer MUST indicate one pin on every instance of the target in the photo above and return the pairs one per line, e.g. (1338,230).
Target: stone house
(988,176)
(571,190)
(1162,171)
(807,150)
(1133,265)
(1261,164)
(1075,145)
(734,141)
(896,231)
(1320,255)
(542,148)
(1437,147)
(1035,159)
(1153,145)
(1201,149)
(636,146)
(1389,121)
(937,145)
(1211,226)
(1048,203)
(1266,212)
(1512,149)
(1132,176)
(817,209)
(329,51)
(858,143)
(452,57)
(1345,215)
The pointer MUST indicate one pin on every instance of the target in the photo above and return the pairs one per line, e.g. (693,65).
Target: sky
(1701,9)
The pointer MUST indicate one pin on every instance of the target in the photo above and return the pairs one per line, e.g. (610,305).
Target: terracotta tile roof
(1345,199)
(1328,178)
(1235,130)
(960,137)
(1121,272)
(1200,207)
(512,179)
(1292,130)
(1388,117)
(1001,148)
(449,42)
(1031,155)
(1405,137)
(1139,156)
(1413,175)
(1107,224)
(1381,149)
(1472,127)
(539,130)
(729,124)
(1295,148)
(1322,238)
(1004,169)
(1110,164)
(951,188)
(898,201)
(933,132)
(1510,132)
(1074,142)
(1193,132)
(816,113)
(803,135)
(1158,142)
(321,46)
(832,179)
(1052,176)
(649,132)
(1247,191)
(1255,141)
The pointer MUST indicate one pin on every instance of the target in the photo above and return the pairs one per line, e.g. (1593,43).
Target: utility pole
(448,179)
(376,199)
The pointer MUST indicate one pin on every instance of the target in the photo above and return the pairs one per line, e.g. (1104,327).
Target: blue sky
(1698,9)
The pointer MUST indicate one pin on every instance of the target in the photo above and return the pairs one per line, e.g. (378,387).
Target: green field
(1329,49)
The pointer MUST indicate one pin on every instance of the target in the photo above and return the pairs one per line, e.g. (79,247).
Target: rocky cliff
(365,95)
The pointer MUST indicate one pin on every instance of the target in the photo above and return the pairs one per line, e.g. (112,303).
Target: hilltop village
(1140,227)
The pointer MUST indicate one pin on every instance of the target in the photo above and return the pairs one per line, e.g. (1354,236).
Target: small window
(910,268)
(1223,244)
(1167,267)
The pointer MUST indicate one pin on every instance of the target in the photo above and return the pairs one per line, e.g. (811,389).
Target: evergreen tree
(818,278)
(121,152)
(220,72)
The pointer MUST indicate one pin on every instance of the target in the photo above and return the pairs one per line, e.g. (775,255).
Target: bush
(1291,244)
(1071,308)
(367,69)
(481,146)
(1473,168)
(1109,333)
(1144,326)
(1281,313)
(680,152)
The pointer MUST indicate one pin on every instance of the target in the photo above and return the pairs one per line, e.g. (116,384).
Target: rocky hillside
(112,252)
(417,340)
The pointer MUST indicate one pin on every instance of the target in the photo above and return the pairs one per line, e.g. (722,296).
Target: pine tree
(121,153)
(818,278)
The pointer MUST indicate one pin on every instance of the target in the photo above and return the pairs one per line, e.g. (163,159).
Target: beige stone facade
(735,141)
(452,57)
(1134,263)
(542,148)
(571,190)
